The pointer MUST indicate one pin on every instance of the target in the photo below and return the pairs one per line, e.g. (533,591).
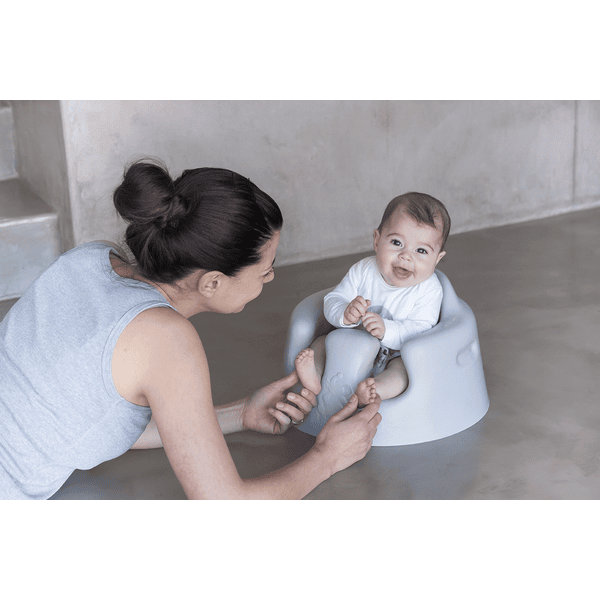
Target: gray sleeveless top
(59,408)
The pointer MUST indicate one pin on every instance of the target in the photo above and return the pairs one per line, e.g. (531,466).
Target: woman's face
(248,283)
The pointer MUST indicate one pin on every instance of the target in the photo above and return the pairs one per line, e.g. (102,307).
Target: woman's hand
(347,436)
(268,410)
(374,324)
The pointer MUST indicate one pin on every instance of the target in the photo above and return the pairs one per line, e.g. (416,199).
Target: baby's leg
(310,363)
(319,349)
(393,380)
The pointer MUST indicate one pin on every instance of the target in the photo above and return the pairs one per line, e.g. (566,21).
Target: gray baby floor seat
(446,392)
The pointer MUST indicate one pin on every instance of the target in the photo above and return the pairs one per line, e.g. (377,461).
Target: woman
(99,345)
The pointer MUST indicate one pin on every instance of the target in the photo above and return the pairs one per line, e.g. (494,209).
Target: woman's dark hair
(211,219)
(423,208)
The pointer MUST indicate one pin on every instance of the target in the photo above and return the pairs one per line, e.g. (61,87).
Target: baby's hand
(356,310)
(373,323)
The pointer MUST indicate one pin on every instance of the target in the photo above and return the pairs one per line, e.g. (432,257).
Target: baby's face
(407,251)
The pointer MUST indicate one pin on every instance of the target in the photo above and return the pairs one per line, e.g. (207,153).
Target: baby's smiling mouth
(400,272)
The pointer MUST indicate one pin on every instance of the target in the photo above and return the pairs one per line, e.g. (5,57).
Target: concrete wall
(41,159)
(8,165)
(333,165)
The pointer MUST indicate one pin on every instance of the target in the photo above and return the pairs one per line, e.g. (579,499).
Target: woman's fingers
(288,381)
(371,411)
(298,406)
(306,400)
(348,435)
(346,411)
(295,414)
(283,421)
(368,413)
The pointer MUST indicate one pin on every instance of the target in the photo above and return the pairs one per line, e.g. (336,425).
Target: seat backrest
(451,303)
(308,321)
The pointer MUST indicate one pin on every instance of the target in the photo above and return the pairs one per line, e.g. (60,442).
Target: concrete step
(8,168)
(29,238)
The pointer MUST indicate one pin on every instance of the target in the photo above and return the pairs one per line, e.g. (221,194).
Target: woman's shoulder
(157,342)
(154,347)
(160,325)
(90,248)
(84,256)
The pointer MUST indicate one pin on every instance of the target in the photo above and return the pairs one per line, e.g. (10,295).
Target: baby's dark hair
(423,208)
(212,219)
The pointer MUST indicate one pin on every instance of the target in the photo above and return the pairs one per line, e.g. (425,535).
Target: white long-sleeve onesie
(406,312)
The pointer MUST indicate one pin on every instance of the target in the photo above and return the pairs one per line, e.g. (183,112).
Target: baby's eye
(396,242)
(422,251)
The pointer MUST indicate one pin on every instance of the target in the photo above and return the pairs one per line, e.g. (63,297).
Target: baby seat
(446,390)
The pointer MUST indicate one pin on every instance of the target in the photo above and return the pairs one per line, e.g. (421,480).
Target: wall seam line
(574,179)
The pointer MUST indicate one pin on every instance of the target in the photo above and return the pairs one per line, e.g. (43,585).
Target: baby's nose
(404,255)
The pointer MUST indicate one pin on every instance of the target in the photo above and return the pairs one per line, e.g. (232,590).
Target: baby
(394,294)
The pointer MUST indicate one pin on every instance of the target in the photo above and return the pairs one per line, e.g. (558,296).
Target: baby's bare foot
(305,367)
(366,392)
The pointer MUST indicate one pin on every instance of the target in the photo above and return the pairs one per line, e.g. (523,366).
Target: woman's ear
(209,283)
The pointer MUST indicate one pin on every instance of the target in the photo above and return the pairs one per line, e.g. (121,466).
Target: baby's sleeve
(337,300)
(424,315)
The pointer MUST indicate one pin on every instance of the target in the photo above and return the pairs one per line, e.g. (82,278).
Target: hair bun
(174,212)
(147,198)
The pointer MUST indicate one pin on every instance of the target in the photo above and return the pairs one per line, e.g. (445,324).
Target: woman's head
(207,219)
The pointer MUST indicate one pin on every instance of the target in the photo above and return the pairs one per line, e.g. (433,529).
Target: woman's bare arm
(174,378)
(257,412)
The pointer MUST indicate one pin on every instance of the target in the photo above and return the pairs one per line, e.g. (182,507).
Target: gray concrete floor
(535,291)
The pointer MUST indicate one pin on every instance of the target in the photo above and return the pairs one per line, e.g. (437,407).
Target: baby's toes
(302,356)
